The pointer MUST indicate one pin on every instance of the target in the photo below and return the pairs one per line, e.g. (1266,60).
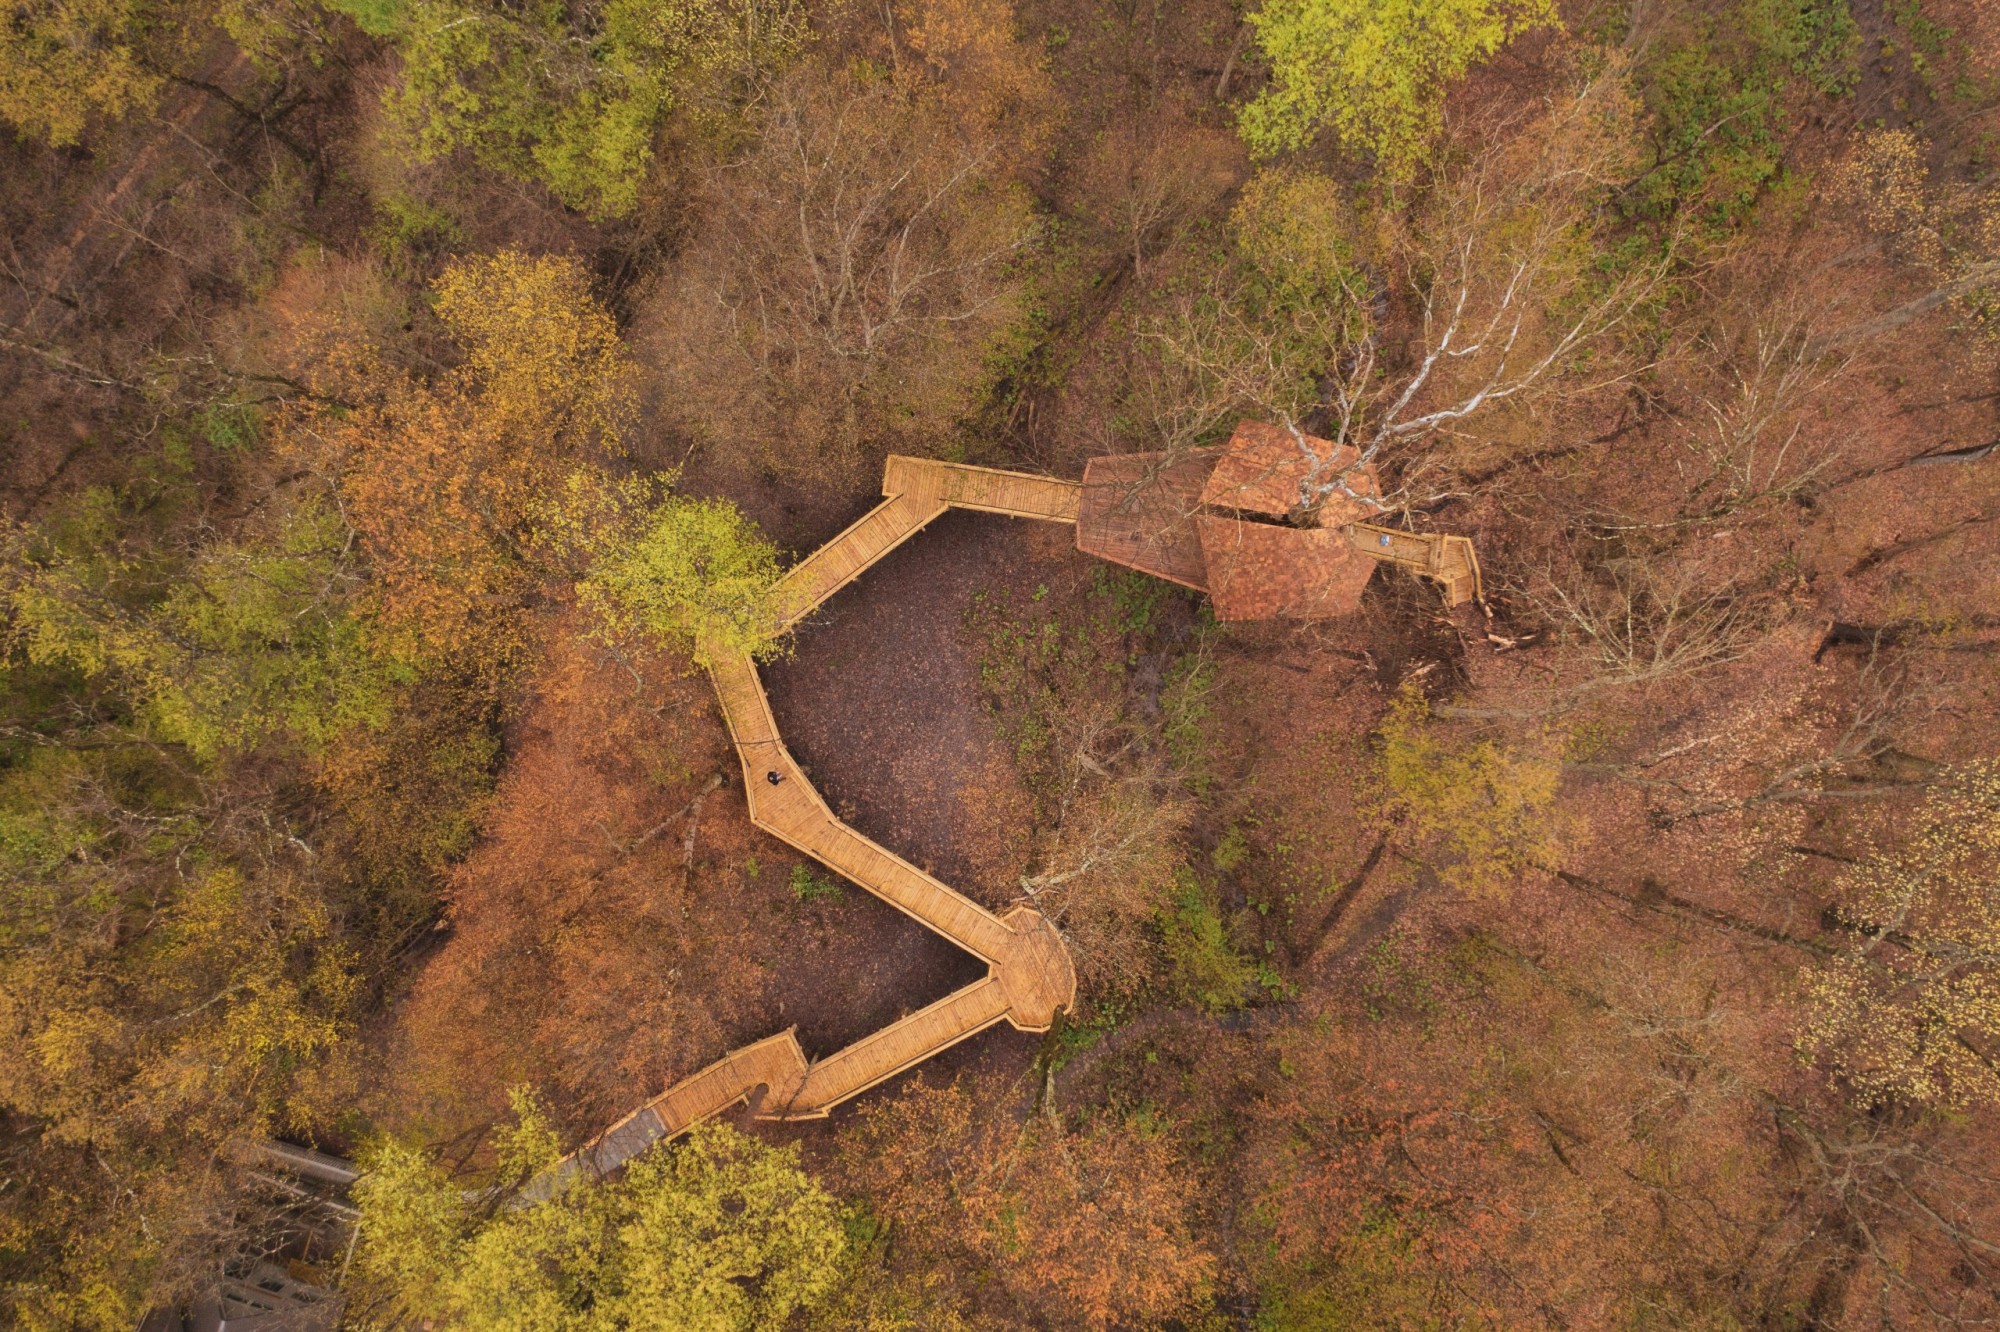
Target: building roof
(1137,510)
(1213,520)
(1264,469)
(1262,571)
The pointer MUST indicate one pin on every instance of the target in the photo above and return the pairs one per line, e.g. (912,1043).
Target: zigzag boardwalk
(917,491)
(1029,977)
(793,812)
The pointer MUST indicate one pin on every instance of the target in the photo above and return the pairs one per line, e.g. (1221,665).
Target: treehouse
(1271,525)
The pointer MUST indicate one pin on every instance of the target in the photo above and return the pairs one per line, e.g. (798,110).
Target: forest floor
(880,700)
(1581,1068)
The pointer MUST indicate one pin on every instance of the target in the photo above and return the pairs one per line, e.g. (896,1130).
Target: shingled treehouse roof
(1138,510)
(1213,520)
(1264,469)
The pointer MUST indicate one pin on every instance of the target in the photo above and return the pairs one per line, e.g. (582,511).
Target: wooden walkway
(1448,561)
(1029,976)
(915,491)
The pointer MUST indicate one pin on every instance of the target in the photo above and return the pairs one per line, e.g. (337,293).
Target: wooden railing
(1030,977)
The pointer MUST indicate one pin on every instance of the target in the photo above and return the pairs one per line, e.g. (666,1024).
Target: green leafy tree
(571,96)
(714,1233)
(253,640)
(180,964)
(1374,71)
(168,981)
(1722,83)
(70,67)
(694,572)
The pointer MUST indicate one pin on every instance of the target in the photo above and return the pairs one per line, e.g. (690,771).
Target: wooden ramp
(1029,976)
(915,491)
(775,1062)
(1448,561)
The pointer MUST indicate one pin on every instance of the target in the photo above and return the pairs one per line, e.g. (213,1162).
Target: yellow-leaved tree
(67,63)
(1375,72)
(1479,813)
(694,573)
(715,1232)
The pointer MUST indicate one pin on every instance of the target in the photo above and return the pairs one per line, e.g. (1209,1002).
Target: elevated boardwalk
(1029,976)
(1448,561)
(915,491)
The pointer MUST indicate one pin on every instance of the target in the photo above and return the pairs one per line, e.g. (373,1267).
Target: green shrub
(1720,85)
(1202,964)
(1375,72)
(808,885)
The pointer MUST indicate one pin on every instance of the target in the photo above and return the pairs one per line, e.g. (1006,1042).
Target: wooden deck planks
(901,1045)
(1030,977)
(791,810)
(1449,561)
(776,1062)
(840,561)
(917,490)
(989,489)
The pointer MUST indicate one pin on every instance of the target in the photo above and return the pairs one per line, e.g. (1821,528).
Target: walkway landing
(1141,511)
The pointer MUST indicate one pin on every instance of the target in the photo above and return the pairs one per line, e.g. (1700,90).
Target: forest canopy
(410,408)
(1375,74)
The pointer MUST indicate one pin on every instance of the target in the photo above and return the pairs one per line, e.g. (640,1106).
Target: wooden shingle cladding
(1212,520)
(1261,571)
(1138,510)
(1264,469)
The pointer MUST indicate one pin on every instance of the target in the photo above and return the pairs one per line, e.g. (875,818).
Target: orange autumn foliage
(1092,1226)
(435,493)
(448,482)
(1468,1139)
(1096,1226)
(1356,1143)
(582,956)
(970,51)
